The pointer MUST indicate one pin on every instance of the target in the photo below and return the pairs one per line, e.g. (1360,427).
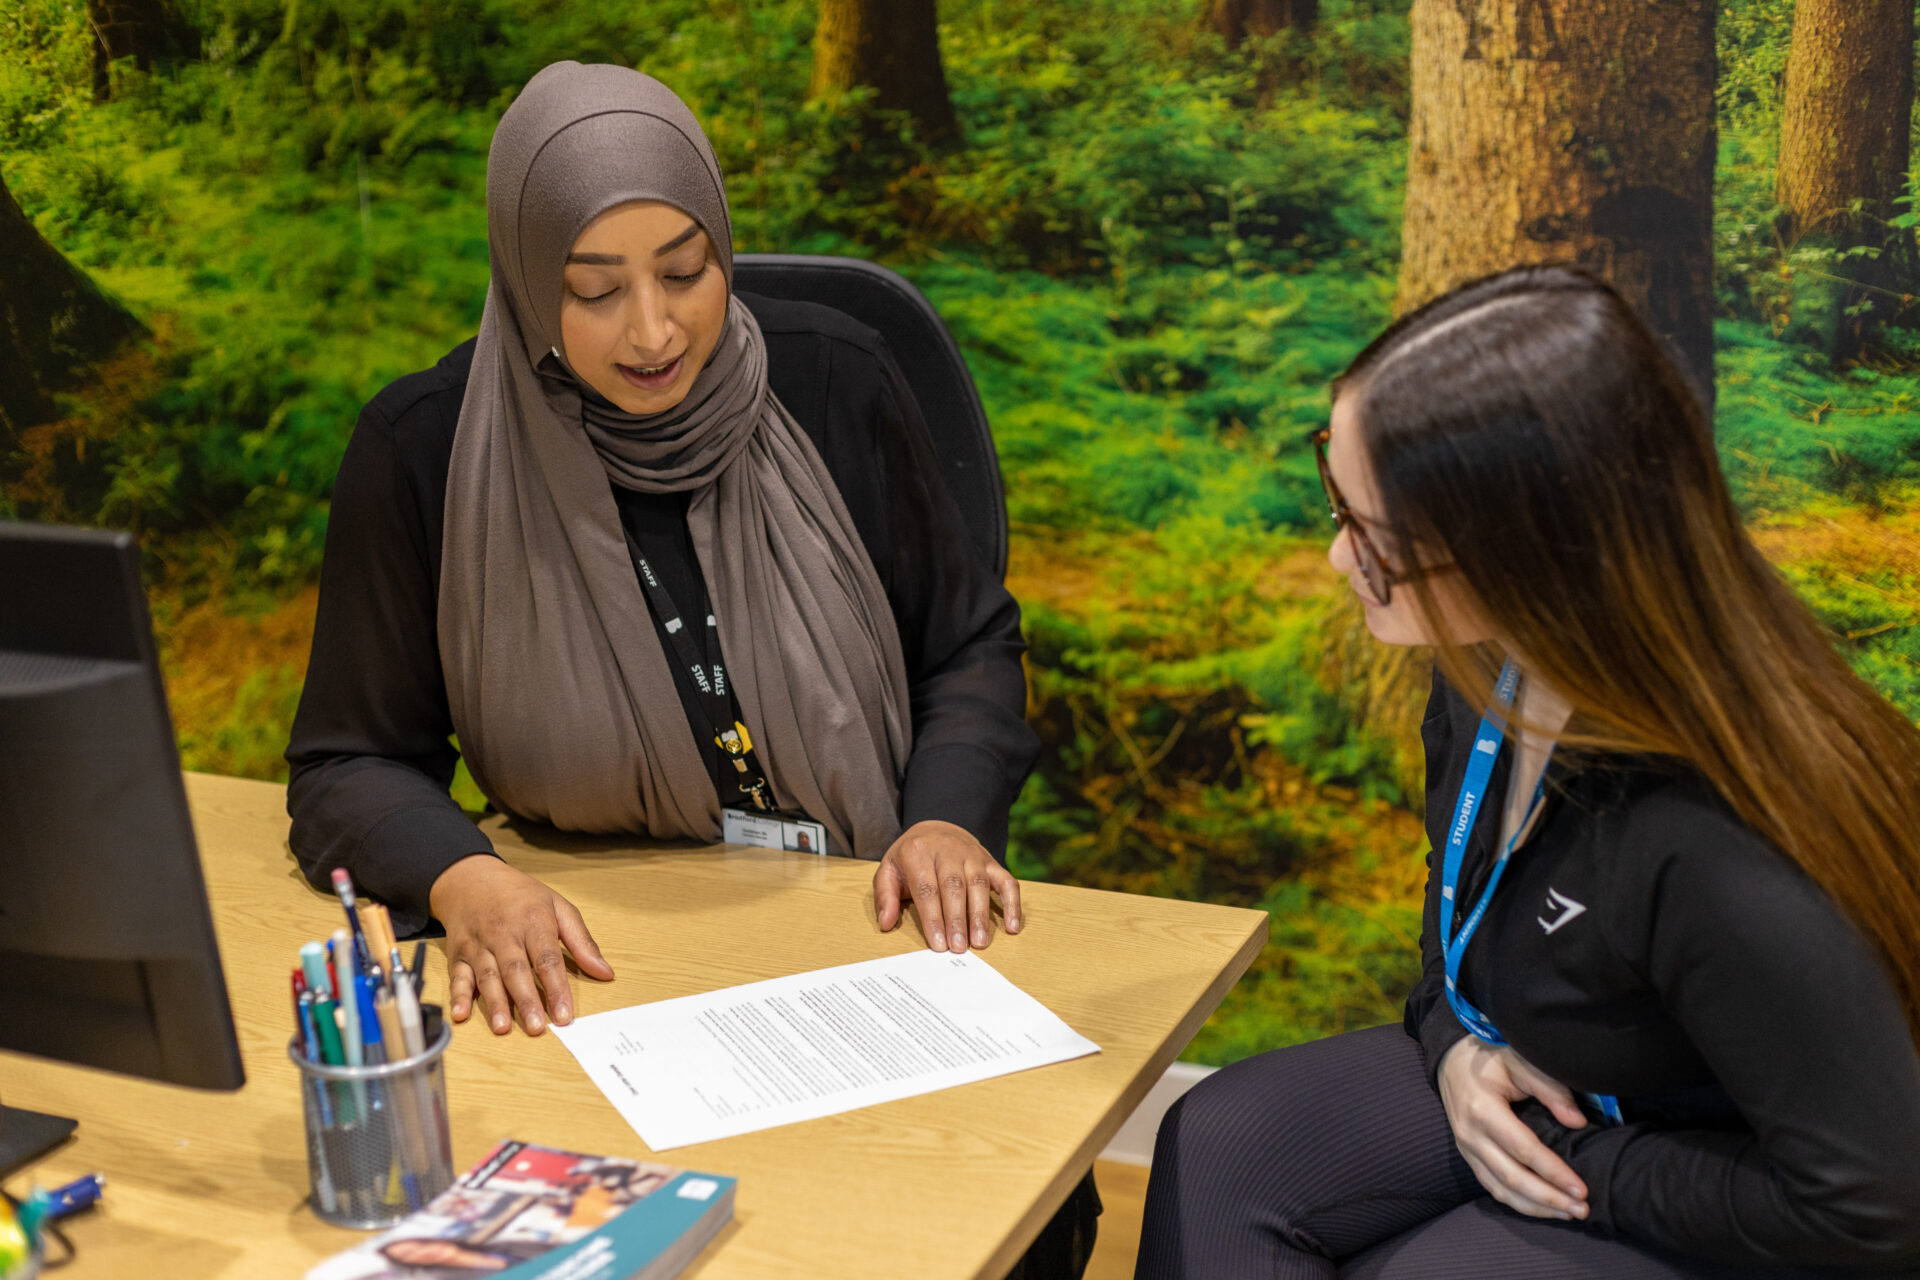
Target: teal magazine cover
(528,1212)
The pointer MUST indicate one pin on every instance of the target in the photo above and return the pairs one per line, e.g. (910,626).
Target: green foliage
(1199,742)
(1752,38)
(249,740)
(1790,427)
(1086,155)
(1331,965)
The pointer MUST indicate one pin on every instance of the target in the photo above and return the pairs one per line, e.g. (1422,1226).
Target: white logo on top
(1566,906)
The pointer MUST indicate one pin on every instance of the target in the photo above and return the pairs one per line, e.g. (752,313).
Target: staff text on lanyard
(709,678)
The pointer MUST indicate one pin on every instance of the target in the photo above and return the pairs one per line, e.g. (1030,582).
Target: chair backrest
(886,301)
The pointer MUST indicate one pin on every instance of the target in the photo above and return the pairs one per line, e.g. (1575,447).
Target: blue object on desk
(82,1193)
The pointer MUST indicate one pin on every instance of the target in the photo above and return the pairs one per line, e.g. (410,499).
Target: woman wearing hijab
(652,551)
(1668,1019)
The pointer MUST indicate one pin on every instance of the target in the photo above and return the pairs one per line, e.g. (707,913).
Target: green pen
(332,1054)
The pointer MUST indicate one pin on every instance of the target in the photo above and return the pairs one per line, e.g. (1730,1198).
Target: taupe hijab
(560,691)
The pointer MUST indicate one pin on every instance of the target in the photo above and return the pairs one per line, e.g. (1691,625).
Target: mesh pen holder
(378,1144)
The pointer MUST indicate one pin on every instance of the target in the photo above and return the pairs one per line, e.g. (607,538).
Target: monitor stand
(25,1136)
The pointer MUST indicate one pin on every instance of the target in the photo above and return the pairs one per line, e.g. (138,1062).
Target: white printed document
(814,1044)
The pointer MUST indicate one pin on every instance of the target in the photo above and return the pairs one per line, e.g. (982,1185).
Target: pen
(419,969)
(387,939)
(313,963)
(310,1038)
(303,1021)
(343,886)
(378,924)
(407,1006)
(406,1103)
(371,1041)
(349,1003)
(331,1051)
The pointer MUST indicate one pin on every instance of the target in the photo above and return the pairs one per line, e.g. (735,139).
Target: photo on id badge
(773,831)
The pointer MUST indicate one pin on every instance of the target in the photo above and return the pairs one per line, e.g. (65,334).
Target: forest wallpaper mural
(1157,229)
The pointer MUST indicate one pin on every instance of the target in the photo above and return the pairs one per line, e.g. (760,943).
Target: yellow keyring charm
(16,1251)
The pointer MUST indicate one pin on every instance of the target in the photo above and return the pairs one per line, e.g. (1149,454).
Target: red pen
(299,986)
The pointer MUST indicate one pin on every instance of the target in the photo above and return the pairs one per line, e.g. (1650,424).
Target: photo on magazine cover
(518,1204)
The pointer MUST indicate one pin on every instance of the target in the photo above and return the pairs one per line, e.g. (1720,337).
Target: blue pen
(369,1021)
(310,1039)
(343,886)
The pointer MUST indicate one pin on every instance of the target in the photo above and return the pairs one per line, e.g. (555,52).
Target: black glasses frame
(1381,577)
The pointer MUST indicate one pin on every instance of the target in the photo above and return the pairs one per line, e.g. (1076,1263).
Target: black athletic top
(1648,944)
(370,751)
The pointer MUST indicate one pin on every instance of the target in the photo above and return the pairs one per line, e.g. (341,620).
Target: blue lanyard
(1466,811)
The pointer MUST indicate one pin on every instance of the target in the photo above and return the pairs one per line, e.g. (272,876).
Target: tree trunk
(54,321)
(1237,20)
(1567,130)
(891,47)
(145,30)
(1844,137)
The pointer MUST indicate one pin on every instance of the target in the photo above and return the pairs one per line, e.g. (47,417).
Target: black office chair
(885,301)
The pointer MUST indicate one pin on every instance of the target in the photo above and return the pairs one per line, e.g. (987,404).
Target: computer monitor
(107,951)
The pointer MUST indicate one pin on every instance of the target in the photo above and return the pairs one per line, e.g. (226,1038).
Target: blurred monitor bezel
(108,956)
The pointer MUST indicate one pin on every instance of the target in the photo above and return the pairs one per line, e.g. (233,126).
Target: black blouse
(371,751)
(1646,943)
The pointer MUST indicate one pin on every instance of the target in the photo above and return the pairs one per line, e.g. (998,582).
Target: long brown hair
(1531,430)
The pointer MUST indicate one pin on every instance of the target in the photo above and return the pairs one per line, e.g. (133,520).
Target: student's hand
(951,879)
(505,931)
(1478,1086)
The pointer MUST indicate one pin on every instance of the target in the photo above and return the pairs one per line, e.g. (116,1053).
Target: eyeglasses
(1381,577)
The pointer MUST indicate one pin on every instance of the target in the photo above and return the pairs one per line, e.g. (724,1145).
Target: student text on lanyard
(1473,789)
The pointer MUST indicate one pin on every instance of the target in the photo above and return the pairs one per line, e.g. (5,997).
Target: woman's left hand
(951,879)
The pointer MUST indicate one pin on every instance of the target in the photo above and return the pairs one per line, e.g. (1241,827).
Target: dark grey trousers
(1335,1159)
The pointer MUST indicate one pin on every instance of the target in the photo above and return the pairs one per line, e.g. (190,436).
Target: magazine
(533,1213)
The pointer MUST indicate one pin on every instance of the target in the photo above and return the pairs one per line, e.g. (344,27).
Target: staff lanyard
(1466,811)
(709,679)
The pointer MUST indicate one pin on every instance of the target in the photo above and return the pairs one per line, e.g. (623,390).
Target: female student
(1672,940)
(651,551)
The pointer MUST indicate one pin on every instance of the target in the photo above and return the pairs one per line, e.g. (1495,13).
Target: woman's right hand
(505,931)
(1478,1086)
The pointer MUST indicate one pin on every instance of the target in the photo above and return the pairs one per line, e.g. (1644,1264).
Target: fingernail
(562,1013)
(959,941)
(1013,924)
(533,1024)
(1564,1217)
(500,1025)
(939,941)
(979,937)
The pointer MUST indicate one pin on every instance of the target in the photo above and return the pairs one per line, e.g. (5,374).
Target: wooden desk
(951,1184)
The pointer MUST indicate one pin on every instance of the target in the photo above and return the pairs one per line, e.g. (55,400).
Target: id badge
(791,832)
